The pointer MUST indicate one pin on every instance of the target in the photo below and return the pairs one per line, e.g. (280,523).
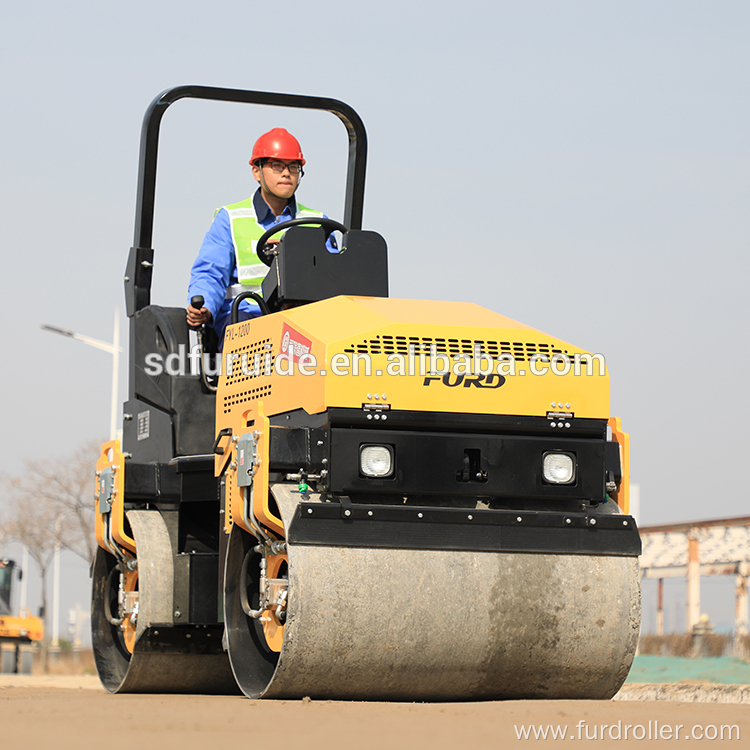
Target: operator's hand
(197,318)
(271,245)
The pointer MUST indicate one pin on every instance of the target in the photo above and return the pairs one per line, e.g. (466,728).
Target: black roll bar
(140,262)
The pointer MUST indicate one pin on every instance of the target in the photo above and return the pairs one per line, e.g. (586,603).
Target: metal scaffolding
(700,548)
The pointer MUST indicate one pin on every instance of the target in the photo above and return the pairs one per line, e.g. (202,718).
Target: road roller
(353,496)
(19,633)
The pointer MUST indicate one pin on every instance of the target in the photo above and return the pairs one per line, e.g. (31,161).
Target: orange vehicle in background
(17,633)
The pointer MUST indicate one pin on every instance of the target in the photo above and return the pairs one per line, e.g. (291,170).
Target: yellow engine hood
(345,335)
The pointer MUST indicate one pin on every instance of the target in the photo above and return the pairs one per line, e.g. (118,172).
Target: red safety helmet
(277,144)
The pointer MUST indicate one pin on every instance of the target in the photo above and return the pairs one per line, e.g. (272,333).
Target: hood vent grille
(385,344)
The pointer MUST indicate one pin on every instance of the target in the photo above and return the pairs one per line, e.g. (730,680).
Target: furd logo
(294,343)
(452,380)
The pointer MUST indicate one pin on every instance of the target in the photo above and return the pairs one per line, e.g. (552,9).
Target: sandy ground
(75,712)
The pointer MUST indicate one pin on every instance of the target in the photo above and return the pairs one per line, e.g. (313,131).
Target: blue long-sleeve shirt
(215,268)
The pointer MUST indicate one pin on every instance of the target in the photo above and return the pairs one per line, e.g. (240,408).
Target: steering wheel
(328,224)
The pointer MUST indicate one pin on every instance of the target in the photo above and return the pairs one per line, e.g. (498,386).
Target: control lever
(197,302)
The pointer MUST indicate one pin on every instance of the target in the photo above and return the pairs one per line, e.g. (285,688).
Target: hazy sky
(582,167)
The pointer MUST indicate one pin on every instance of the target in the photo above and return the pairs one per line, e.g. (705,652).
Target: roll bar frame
(138,272)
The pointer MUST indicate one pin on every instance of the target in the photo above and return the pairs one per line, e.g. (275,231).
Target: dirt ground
(74,712)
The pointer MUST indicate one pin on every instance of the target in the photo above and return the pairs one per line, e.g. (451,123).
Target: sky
(580,166)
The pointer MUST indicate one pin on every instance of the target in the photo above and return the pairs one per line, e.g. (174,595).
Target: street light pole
(24,581)
(114,349)
(115,368)
(55,645)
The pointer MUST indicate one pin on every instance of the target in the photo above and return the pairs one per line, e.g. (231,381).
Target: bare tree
(52,503)
(66,486)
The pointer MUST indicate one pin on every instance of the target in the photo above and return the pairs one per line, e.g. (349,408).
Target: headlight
(376,460)
(559,468)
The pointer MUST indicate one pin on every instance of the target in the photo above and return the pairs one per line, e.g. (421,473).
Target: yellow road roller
(19,633)
(358,497)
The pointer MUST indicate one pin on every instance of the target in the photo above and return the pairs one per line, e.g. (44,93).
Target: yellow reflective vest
(246,231)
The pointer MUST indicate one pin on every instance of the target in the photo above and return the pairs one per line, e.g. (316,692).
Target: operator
(227,263)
